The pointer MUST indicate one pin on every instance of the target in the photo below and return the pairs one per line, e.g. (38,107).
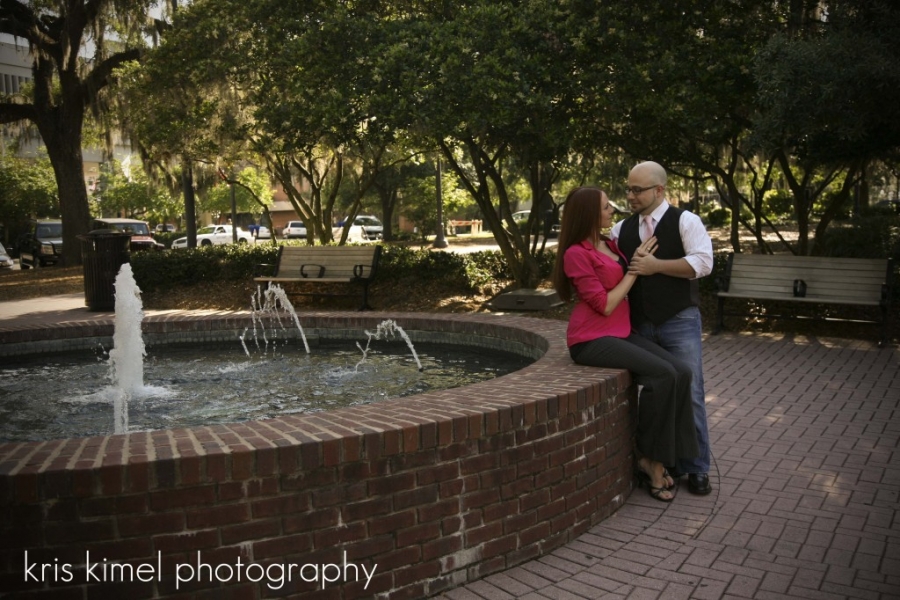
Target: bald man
(664,301)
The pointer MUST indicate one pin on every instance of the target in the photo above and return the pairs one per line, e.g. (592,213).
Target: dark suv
(42,244)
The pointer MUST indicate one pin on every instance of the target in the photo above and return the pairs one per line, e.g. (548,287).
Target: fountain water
(126,359)
(267,302)
(387,329)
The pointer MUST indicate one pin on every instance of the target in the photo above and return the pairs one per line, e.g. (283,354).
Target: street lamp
(439,241)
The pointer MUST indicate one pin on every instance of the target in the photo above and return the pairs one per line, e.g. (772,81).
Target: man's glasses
(638,190)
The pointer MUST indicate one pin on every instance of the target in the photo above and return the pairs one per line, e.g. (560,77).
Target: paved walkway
(806,437)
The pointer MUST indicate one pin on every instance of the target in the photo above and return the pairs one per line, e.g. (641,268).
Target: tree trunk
(61,133)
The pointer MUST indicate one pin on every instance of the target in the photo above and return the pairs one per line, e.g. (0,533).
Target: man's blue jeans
(680,335)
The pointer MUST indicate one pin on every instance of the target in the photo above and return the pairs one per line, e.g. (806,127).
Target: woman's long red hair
(580,221)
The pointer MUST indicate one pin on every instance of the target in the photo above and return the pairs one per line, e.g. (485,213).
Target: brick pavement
(806,437)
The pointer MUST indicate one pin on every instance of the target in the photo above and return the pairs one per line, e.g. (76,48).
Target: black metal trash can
(103,252)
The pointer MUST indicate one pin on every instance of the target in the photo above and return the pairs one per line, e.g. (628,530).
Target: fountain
(420,493)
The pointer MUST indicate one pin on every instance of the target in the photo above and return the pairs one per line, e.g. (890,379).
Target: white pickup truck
(215,235)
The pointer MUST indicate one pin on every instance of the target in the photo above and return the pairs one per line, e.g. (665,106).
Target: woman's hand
(643,262)
(647,248)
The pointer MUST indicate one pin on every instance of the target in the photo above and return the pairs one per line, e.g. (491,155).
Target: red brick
(190,470)
(519,522)
(392,484)
(438,510)
(397,558)
(252,530)
(479,535)
(548,477)
(391,522)
(499,546)
(437,473)
(416,497)
(534,534)
(500,510)
(286,545)
(242,463)
(350,448)
(418,534)
(213,516)
(451,489)
(312,520)
(391,442)
(59,533)
(280,505)
(182,497)
(186,542)
(152,524)
(441,547)
(330,538)
(480,498)
(416,573)
(371,547)
(366,509)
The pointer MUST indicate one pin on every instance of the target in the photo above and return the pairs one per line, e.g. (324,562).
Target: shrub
(876,236)
(718,217)
(778,203)
(158,270)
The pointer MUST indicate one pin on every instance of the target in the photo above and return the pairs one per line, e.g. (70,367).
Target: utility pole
(439,241)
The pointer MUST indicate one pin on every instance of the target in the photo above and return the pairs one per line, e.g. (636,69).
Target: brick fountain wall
(401,499)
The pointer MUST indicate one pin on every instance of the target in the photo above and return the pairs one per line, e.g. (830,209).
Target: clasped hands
(643,262)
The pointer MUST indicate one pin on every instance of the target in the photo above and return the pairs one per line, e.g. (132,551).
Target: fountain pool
(427,492)
(70,395)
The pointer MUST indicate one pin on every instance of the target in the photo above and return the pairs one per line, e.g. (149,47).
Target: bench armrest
(264,269)
(318,275)
(724,281)
(359,271)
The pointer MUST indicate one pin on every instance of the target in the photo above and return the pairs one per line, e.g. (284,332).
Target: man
(664,301)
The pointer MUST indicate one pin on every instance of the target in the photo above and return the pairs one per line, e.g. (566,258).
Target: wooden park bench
(807,280)
(304,265)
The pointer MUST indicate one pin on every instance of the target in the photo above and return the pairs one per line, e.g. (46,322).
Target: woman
(590,267)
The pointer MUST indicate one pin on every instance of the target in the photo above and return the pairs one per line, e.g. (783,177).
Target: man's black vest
(657,298)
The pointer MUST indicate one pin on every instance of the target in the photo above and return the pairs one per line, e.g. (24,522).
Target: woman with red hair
(591,270)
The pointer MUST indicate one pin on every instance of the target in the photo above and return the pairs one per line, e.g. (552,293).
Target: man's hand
(643,262)
(645,265)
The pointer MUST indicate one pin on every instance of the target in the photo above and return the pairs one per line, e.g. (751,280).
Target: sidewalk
(806,501)
(806,438)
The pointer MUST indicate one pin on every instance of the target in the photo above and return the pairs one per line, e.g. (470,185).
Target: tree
(672,82)
(29,190)
(60,35)
(252,193)
(827,112)
(133,195)
(489,84)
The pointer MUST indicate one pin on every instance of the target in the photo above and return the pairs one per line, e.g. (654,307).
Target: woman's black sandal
(655,492)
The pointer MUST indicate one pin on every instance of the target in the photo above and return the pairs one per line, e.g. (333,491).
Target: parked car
(263,233)
(6,260)
(215,235)
(294,230)
(139,231)
(41,245)
(168,228)
(356,235)
(372,226)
